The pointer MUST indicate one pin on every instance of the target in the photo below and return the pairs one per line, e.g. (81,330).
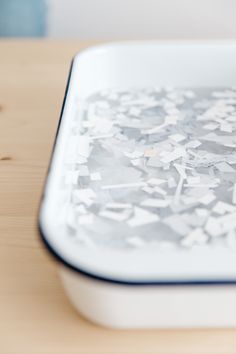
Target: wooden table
(35,316)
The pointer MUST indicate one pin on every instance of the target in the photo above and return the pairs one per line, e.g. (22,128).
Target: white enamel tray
(141,289)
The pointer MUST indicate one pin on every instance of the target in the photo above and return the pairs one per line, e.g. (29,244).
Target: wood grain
(36,317)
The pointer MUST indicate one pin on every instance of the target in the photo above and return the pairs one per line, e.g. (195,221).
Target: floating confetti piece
(177,224)
(177,137)
(211,126)
(195,237)
(212,227)
(181,170)
(155,203)
(203,213)
(174,155)
(156,181)
(142,217)
(171,182)
(193,180)
(83,171)
(193,144)
(149,153)
(224,167)
(148,190)
(159,190)
(83,146)
(124,185)
(222,208)
(135,241)
(134,155)
(226,127)
(224,140)
(114,215)
(207,199)
(86,196)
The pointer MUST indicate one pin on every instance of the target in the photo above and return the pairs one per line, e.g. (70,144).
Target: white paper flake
(83,146)
(222,208)
(142,217)
(124,185)
(156,181)
(211,126)
(174,155)
(171,182)
(193,144)
(136,241)
(195,237)
(178,225)
(155,203)
(207,199)
(224,167)
(86,196)
(181,170)
(117,216)
(177,137)
(226,127)
(134,155)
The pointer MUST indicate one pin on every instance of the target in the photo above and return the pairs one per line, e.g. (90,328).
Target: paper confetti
(155,203)
(152,166)
(142,217)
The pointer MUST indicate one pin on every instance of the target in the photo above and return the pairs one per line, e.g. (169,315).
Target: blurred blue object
(23,18)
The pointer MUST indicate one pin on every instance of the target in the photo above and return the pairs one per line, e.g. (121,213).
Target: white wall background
(141,19)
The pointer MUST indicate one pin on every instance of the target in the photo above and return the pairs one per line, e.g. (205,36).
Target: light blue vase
(22,18)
